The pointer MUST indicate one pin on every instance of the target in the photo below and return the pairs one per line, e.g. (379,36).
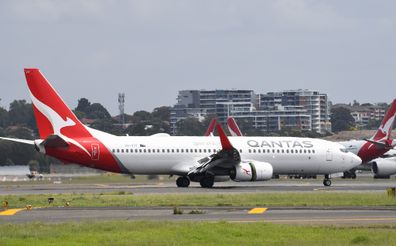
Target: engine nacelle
(383,168)
(252,171)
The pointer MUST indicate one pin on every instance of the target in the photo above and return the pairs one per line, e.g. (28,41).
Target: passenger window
(140,150)
(122,150)
(177,150)
(240,151)
(305,151)
(287,151)
(273,151)
(173,151)
(250,151)
(277,151)
(144,150)
(149,150)
(113,150)
(313,151)
(283,151)
(300,151)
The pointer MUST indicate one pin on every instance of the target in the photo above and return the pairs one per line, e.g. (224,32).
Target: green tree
(3,117)
(21,113)
(97,111)
(161,113)
(341,119)
(190,127)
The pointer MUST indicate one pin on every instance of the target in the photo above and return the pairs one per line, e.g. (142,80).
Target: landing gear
(207,182)
(182,182)
(327,180)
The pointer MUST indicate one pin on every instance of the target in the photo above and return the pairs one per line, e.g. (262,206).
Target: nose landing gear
(327,180)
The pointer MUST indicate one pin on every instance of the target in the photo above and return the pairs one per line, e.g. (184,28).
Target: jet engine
(383,168)
(252,171)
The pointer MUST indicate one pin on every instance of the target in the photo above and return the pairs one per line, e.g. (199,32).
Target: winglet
(210,130)
(225,142)
(233,127)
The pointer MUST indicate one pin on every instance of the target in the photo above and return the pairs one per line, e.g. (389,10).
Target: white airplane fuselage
(178,155)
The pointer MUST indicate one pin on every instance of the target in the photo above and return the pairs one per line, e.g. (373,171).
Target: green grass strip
(123,198)
(191,233)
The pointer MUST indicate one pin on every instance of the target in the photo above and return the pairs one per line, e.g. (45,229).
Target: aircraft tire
(182,182)
(327,182)
(207,182)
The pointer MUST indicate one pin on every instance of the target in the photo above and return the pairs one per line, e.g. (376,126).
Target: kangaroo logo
(57,122)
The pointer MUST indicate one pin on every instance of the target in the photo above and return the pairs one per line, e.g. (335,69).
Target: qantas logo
(246,171)
(57,122)
(386,128)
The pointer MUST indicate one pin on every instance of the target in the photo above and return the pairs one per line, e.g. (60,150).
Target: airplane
(197,159)
(369,150)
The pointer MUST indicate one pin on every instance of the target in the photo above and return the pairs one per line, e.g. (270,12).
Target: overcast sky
(152,49)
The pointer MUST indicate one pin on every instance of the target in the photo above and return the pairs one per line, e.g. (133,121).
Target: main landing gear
(182,182)
(207,182)
(327,180)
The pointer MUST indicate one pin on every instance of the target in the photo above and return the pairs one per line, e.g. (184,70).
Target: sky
(152,49)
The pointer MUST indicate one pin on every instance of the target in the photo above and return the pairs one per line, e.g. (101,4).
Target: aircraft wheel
(207,182)
(182,182)
(326,182)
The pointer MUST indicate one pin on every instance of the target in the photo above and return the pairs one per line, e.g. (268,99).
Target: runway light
(67,204)
(50,200)
(5,204)
(29,207)
(391,192)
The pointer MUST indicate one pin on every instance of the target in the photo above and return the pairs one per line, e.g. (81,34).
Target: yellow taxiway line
(257,210)
(12,211)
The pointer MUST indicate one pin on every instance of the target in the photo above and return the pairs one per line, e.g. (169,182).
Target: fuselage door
(329,155)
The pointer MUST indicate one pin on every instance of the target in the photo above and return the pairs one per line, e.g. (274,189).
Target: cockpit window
(344,150)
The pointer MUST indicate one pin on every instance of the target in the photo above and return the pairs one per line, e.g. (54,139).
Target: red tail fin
(211,127)
(233,127)
(385,129)
(52,114)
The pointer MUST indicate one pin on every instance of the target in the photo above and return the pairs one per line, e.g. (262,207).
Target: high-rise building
(301,109)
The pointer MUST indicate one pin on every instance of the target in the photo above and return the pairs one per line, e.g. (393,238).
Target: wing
(222,161)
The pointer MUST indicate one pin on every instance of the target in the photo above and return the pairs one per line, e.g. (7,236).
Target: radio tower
(121,101)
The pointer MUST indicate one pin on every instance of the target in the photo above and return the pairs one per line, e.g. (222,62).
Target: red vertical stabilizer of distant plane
(381,142)
(385,129)
(233,127)
(210,130)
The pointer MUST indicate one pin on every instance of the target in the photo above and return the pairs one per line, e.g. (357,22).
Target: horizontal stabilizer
(24,141)
(54,141)
(381,145)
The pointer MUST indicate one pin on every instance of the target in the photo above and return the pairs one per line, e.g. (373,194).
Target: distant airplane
(198,159)
(367,149)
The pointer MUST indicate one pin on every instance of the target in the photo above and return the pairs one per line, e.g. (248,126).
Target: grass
(124,198)
(191,233)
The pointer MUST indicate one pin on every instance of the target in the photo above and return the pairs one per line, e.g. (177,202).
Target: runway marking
(257,210)
(10,212)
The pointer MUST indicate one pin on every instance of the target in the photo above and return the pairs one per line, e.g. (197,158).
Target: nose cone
(356,161)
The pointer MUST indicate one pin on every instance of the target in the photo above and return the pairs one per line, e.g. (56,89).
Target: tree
(341,119)
(161,113)
(97,111)
(21,113)
(3,117)
(190,127)
(83,105)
